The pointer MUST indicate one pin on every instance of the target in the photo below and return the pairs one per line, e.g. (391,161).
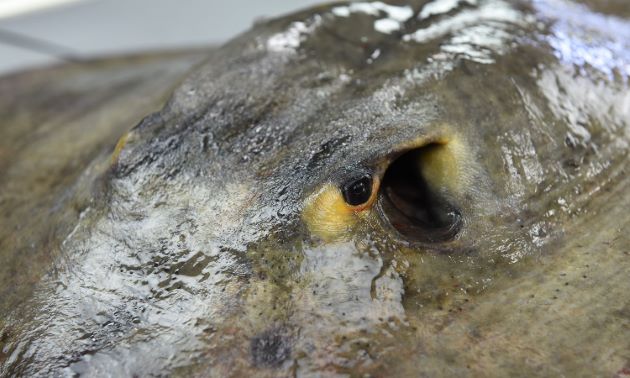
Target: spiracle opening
(415,208)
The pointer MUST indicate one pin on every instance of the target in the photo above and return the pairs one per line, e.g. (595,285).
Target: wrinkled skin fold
(187,213)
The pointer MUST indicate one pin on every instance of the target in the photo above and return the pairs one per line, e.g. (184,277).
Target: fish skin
(187,252)
(55,123)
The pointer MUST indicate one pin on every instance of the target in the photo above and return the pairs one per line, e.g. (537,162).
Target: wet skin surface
(418,189)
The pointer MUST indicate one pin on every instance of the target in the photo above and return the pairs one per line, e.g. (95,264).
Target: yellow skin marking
(444,161)
(329,217)
(119,146)
(445,165)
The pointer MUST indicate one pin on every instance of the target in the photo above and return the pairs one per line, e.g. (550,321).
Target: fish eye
(414,194)
(357,191)
(338,205)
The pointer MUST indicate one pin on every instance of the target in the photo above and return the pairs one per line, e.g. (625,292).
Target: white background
(102,27)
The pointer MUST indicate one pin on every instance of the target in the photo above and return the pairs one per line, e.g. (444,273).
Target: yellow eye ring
(329,216)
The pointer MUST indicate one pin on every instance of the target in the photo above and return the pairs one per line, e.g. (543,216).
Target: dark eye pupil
(358,192)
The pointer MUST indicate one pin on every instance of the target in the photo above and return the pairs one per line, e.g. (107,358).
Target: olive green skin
(184,251)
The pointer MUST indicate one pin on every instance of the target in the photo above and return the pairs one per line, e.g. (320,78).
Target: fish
(369,188)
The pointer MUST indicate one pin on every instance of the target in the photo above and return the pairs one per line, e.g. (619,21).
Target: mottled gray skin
(185,252)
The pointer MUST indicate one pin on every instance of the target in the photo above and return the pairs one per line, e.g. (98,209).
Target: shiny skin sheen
(177,215)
